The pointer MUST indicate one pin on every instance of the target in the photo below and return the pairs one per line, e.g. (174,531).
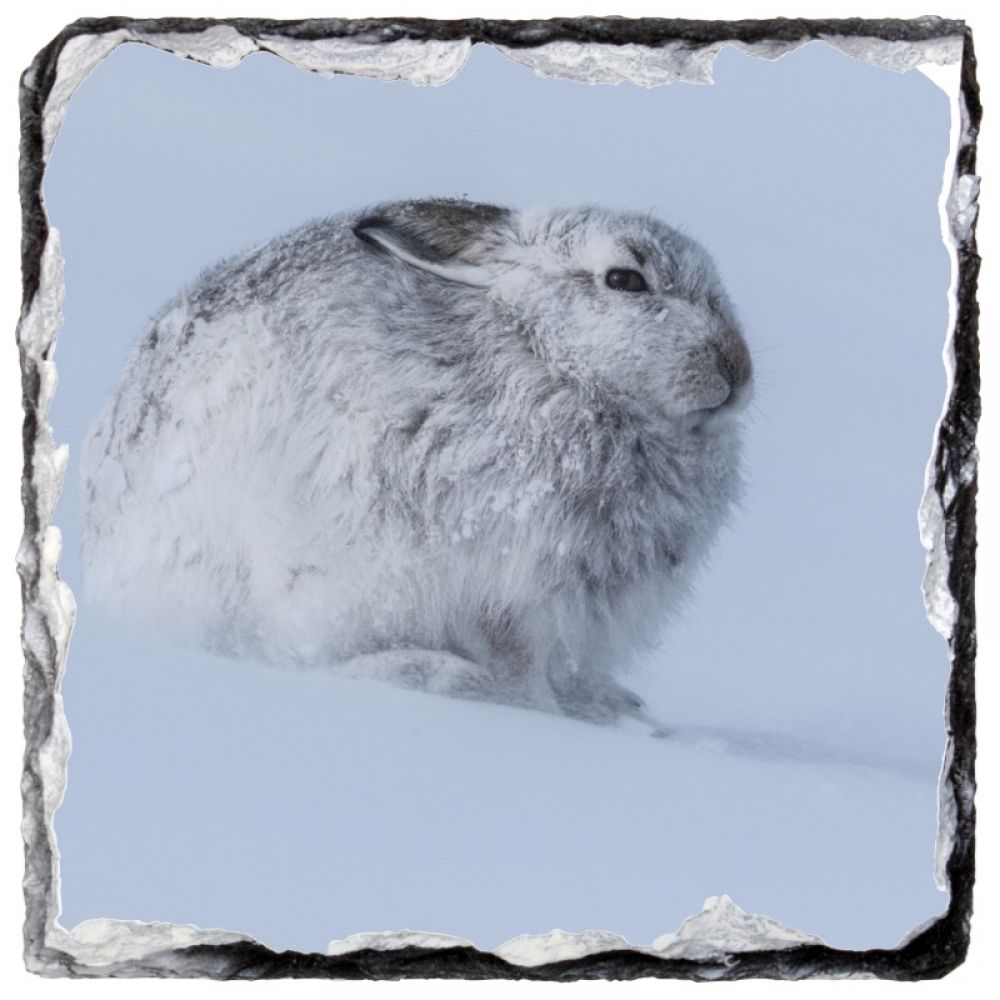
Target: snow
(329,807)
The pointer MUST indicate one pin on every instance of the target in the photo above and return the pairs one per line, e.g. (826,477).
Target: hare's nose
(732,358)
(732,361)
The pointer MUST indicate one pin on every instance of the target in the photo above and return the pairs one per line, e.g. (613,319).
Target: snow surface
(341,807)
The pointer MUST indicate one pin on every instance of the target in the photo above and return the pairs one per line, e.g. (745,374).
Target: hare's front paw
(430,670)
(604,702)
(592,700)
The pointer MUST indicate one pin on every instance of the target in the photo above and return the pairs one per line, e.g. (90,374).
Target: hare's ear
(451,239)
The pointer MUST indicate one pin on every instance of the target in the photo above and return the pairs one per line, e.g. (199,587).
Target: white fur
(338,450)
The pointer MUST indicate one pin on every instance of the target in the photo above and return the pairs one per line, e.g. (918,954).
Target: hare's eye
(622,279)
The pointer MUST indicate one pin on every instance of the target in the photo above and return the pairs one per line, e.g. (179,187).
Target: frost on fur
(461,448)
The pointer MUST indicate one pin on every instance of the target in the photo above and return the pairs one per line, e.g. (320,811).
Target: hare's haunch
(458,447)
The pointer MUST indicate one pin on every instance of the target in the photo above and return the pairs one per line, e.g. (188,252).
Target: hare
(458,447)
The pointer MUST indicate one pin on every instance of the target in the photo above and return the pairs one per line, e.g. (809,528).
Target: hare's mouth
(737,400)
(726,387)
(724,412)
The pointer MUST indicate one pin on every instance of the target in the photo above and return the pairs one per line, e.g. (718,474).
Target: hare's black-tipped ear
(451,239)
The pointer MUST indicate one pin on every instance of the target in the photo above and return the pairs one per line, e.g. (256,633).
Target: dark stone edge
(937,950)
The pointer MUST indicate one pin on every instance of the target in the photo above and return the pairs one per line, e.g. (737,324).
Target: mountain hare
(458,447)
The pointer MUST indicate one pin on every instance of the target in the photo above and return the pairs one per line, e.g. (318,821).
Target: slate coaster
(778,757)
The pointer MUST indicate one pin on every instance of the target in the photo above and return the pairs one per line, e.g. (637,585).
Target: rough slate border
(932,953)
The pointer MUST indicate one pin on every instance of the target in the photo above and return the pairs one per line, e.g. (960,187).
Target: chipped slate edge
(931,952)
